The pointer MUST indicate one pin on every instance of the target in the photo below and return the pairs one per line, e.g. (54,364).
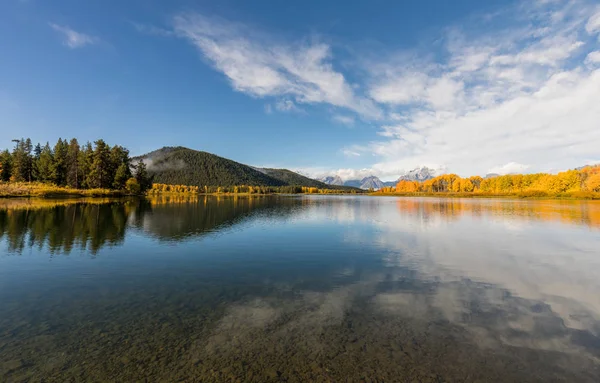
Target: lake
(299,288)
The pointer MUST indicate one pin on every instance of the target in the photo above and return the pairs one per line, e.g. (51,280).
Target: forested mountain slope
(183,166)
(292,178)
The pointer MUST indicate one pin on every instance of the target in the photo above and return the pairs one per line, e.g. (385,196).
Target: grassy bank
(577,195)
(43,190)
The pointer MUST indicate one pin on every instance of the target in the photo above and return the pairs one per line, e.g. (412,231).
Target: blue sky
(352,88)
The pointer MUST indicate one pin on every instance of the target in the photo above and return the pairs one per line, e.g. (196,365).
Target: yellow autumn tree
(405,186)
(593,182)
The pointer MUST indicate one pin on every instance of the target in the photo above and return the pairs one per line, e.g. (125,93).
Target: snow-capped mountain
(419,174)
(370,182)
(332,180)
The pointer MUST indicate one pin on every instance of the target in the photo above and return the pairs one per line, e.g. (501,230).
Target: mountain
(370,182)
(353,183)
(332,180)
(292,178)
(418,174)
(183,166)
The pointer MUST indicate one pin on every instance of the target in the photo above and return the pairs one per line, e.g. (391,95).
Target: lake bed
(300,288)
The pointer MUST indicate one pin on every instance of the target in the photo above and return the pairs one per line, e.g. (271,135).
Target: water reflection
(305,289)
(89,225)
(61,226)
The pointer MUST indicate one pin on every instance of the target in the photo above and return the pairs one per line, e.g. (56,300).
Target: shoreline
(574,196)
(45,191)
(117,194)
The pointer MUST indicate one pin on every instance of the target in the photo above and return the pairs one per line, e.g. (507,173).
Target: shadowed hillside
(183,166)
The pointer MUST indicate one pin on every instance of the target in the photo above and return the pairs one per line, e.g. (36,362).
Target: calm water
(300,289)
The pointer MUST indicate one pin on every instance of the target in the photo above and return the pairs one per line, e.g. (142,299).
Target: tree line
(158,188)
(69,164)
(586,179)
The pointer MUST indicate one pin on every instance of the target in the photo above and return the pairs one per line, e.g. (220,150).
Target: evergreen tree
(142,177)
(5,166)
(37,153)
(120,166)
(22,161)
(59,165)
(28,160)
(121,176)
(45,164)
(99,175)
(73,166)
(85,162)
(18,161)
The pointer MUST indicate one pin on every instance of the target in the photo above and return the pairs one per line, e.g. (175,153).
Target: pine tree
(28,160)
(37,152)
(142,177)
(85,162)
(5,166)
(120,166)
(59,165)
(18,161)
(73,167)
(121,176)
(45,164)
(99,176)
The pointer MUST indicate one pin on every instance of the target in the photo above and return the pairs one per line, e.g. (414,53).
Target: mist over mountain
(184,166)
(419,174)
(332,180)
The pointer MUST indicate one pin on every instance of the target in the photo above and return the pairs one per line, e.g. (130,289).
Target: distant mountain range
(184,166)
(372,182)
(333,180)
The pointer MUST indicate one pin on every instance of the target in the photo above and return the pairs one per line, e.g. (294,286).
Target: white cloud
(520,95)
(350,153)
(287,106)
(342,119)
(593,24)
(152,30)
(519,87)
(72,38)
(593,58)
(509,168)
(262,67)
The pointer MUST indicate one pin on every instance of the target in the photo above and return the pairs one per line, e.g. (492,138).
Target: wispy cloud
(152,30)
(260,66)
(72,38)
(593,58)
(287,106)
(593,24)
(509,168)
(522,94)
(515,87)
(350,153)
(344,119)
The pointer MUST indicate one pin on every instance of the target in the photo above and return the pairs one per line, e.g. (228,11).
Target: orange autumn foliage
(576,181)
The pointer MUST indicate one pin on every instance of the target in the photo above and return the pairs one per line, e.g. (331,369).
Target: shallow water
(312,288)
